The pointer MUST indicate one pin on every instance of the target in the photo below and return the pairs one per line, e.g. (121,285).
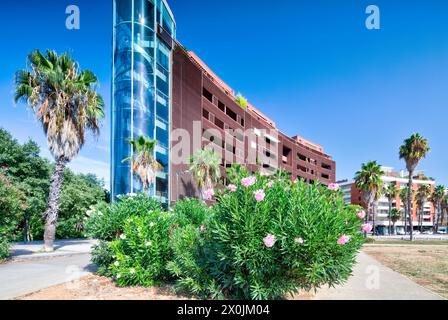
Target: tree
(437,198)
(66,103)
(205,169)
(414,149)
(404,194)
(444,208)
(423,192)
(142,161)
(391,193)
(395,215)
(369,181)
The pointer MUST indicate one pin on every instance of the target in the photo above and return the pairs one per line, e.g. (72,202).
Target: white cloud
(86,165)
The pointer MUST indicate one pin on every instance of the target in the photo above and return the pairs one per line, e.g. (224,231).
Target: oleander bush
(268,239)
(106,221)
(142,251)
(264,238)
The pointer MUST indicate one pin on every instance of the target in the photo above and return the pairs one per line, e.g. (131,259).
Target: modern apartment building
(169,94)
(353,196)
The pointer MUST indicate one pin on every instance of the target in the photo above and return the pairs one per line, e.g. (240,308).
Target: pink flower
(203,228)
(249,181)
(361,214)
(208,194)
(367,228)
(299,240)
(259,195)
(270,183)
(333,186)
(232,187)
(344,239)
(269,241)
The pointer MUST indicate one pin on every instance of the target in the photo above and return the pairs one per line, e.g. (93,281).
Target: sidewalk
(29,269)
(34,250)
(373,281)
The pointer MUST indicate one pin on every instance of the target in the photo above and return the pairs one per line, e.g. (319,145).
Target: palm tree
(412,151)
(404,194)
(391,193)
(205,169)
(423,192)
(142,161)
(444,208)
(395,215)
(437,200)
(65,101)
(368,181)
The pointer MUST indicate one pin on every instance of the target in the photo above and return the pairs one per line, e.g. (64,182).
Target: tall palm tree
(437,200)
(205,167)
(395,215)
(368,181)
(142,161)
(391,193)
(65,101)
(404,194)
(412,151)
(423,192)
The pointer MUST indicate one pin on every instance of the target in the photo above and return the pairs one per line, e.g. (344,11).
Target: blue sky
(312,66)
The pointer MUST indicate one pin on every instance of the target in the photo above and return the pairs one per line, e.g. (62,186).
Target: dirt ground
(426,265)
(94,287)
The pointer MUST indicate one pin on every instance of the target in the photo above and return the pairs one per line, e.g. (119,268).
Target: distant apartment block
(353,196)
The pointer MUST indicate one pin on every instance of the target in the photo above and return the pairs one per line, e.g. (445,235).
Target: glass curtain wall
(140,91)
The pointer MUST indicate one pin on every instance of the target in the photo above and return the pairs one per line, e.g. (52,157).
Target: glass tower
(141,89)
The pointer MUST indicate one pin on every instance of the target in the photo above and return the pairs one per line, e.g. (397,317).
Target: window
(221,106)
(242,122)
(326,166)
(207,95)
(325,176)
(219,123)
(231,114)
(205,114)
(302,157)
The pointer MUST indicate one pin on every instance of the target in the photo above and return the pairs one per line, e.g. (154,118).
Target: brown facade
(200,96)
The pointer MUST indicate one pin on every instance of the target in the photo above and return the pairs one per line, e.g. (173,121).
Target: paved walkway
(30,269)
(373,281)
(34,250)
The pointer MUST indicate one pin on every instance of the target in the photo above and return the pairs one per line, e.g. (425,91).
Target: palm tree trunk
(390,217)
(51,215)
(437,213)
(442,214)
(411,225)
(373,217)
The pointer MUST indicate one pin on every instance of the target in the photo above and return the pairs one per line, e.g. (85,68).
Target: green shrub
(266,249)
(142,250)
(103,257)
(4,248)
(106,221)
(191,212)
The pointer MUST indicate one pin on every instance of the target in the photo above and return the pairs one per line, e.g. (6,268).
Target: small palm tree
(412,151)
(66,103)
(142,161)
(368,180)
(391,193)
(205,167)
(395,215)
(437,198)
(423,192)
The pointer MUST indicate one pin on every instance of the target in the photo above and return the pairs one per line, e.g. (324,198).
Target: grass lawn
(425,263)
